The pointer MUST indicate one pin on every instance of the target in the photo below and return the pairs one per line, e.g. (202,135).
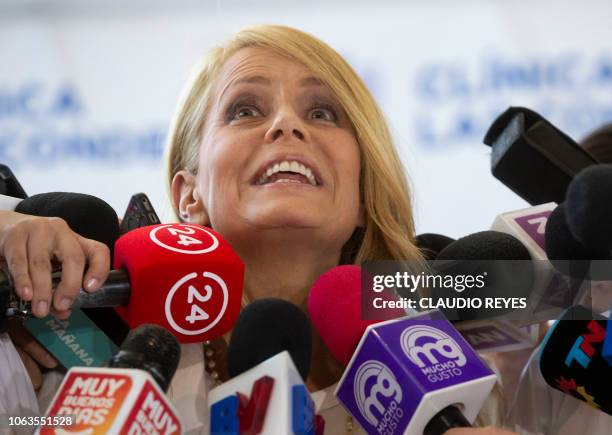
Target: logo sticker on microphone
(196,303)
(378,395)
(433,351)
(186,239)
(534,225)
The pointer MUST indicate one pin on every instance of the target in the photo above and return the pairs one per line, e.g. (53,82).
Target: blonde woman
(271,95)
(278,145)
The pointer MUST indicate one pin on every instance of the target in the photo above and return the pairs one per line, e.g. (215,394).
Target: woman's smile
(290,171)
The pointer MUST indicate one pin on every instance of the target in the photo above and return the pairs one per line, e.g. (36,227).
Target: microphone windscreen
(571,358)
(564,252)
(183,277)
(150,348)
(430,244)
(485,245)
(501,257)
(265,328)
(589,207)
(559,242)
(86,215)
(334,306)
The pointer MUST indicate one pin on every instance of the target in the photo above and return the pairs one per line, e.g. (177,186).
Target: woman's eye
(246,112)
(324,114)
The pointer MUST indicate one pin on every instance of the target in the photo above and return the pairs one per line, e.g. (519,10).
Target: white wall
(87,89)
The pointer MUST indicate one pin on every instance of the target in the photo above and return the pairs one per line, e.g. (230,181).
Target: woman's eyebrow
(258,80)
(261,80)
(312,81)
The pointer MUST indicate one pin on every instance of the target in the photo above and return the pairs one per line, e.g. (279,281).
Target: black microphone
(560,243)
(486,245)
(501,257)
(532,157)
(86,215)
(265,328)
(430,244)
(507,269)
(589,207)
(150,348)
(568,255)
(9,185)
(571,358)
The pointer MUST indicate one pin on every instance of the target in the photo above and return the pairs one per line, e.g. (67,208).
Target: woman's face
(277,151)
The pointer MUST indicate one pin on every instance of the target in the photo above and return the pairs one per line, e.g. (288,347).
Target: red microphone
(185,278)
(334,305)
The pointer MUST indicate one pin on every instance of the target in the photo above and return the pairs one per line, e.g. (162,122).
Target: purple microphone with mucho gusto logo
(414,376)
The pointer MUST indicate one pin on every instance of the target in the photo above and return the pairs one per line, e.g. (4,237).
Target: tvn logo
(378,396)
(433,351)
(583,351)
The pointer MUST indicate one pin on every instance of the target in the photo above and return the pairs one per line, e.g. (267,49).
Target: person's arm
(31,246)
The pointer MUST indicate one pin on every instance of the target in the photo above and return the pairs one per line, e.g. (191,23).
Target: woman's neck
(287,270)
(278,267)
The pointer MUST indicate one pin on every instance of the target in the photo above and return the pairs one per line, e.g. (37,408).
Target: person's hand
(31,244)
(33,355)
(479,431)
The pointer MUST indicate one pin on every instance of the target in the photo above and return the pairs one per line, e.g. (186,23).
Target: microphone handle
(449,417)
(114,293)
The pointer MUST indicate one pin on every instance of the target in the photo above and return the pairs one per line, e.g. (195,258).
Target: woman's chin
(286,219)
(288,211)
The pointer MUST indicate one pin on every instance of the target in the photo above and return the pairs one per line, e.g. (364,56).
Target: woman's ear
(187,200)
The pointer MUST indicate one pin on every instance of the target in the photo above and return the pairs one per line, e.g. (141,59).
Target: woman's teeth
(291,167)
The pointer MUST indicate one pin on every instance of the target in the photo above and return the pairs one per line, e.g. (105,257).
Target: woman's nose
(286,124)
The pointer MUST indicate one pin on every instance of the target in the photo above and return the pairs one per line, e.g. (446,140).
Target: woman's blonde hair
(389,225)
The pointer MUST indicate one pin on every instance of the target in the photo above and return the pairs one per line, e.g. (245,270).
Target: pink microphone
(334,305)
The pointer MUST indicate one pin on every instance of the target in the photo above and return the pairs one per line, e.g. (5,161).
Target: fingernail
(27,293)
(91,284)
(64,304)
(41,308)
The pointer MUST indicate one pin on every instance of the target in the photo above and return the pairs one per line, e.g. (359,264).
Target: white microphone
(110,400)
(268,399)
(127,397)
(266,394)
